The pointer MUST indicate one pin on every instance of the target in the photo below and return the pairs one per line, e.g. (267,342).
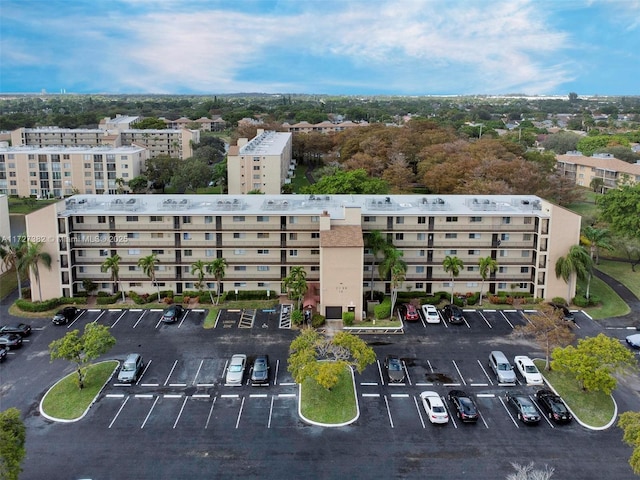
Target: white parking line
(98,317)
(368,384)
(478,384)
(284,395)
(533,400)
(509,413)
(486,395)
(400,395)
(197,372)
(240,413)
(380,372)
(230,395)
(149,384)
(76,319)
(143,372)
(270,412)
(275,375)
(180,412)
(177,384)
(118,412)
(205,385)
(505,317)
(172,395)
(446,407)
(201,395)
(430,367)
(406,372)
(143,395)
(258,395)
(183,318)
(114,395)
(422,384)
(139,318)
(459,373)
(206,425)
(118,319)
(169,376)
(415,400)
(287,384)
(386,401)
(485,373)
(149,414)
(485,318)
(371,395)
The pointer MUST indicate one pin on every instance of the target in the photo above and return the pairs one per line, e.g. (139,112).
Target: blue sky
(346,47)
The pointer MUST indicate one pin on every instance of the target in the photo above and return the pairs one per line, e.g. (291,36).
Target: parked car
(633,340)
(430,313)
(10,341)
(528,370)
(131,368)
(566,313)
(393,367)
(553,406)
(465,407)
(172,314)
(523,406)
(3,354)
(409,312)
(64,316)
(434,407)
(235,369)
(502,368)
(21,329)
(453,314)
(260,370)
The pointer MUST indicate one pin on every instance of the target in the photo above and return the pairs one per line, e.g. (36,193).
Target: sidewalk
(630,319)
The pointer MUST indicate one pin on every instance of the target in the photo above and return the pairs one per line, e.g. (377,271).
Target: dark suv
(21,329)
(566,313)
(64,316)
(172,314)
(453,314)
(10,340)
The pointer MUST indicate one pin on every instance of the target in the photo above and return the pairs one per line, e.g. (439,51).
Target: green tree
(151,123)
(487,266)
(11,254)
(160,169)
(597,184)
(295,284)
(351,182)
(31,260)
(82,349)
(217,268)
(139,184)
(576,262)
(590,144)
(452,265)
(620,208)
(629,422)
(199,268)
(112,265)
(13,435)
(595,239)
(394,268)
(376,243)
(322,358)
(548,329)
(149,265)
(191,174)
(594,361)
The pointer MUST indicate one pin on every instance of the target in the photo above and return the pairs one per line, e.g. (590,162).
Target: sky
(345,47)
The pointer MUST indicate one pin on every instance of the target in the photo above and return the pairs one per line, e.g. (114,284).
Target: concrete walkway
(630,319)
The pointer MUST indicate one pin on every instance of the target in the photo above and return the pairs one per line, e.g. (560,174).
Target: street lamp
(236,294)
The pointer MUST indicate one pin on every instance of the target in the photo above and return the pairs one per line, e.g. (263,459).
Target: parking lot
(181,403)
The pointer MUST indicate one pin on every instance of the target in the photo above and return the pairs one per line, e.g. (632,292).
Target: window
(188,253)
(315,252)
(526,237)
(474,252)
(158,251)
(133,268)
(157,234)
(502,286)
(293,253)
(293,236)
(315,268)
(209,252)
(419,285)
(186,236)
(451,252)
(506,220)
(239,251)
(527,220)
(133,235)
(474,236)
(452,219)
(263,251)
(399,220)
(155,218)
(134,251)
(523,285)
(420,269)
(504,236)
(262,218)
(186,219)
(450,235)
(525,253)
(315,235)
(239,235)
(133,218)
(502,269)
(208,236)
(263,235)
(504,253)
(256,167)
(293,220)
(239,284)
(102,219)
(238,218)
(263,268)
(399,236)
(369,219)
(421,253)
(81,253)
(208,219)
(475,219)
(421,237)
(422,220)
(315,219)
(80,219)
(240,268)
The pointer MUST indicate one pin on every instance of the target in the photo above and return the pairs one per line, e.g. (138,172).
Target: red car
(409,312)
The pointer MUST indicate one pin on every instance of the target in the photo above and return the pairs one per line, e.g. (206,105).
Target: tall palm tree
(11,255)
(596,238)
(394,268)
(112,264)
(576,262)
(377,243)
(452,265)
(487,266)
(296,284)
(217,269)
(31,260)
(199,268)
(148,265)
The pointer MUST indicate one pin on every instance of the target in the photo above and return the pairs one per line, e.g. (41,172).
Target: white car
(235,370)
(434,407)
(528,370)
(430,313)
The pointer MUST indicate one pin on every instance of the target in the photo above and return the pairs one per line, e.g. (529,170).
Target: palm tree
(11,255)
(596,238)
(487,266)
(148,265)
(377,243)
(31,260)
(452,265)
(296,284)
(395,268)
(576,262)
(112,264)
(217,269)
(199,268)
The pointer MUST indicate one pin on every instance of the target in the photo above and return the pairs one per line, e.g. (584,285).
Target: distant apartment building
(262,237)
(57,171)
(215,124)
(261,164)
(323,127)
(583,170)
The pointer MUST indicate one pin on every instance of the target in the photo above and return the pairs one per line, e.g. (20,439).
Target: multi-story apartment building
(263,236)
(583,170)
(214,124)
(261,164)
(46,172)
(322,127)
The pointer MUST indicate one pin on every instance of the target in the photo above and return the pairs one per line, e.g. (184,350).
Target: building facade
(263,236)
(583,170)
(261,164)
(45,172)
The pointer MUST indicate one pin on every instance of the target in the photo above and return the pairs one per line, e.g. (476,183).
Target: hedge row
(29,306)
(109,299)
(383,310)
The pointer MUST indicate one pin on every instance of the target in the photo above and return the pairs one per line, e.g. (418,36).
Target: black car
(21,329)
(172,314)
(453,314)
(260,370)
(393,367)
(553,406)
(567,315)
(64,316)
(465,407)
(3,354)
(10,340)
(525,409)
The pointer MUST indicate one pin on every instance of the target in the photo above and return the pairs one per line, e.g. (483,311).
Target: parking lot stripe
(533,400)
(406,372)
(177,384)
(430,366)
(169,376)
(287,384)
(234,395)
(143,395)
(397,384)
(400,395)
(485,395)
(206,425)
(118,319)
(149,384)
(451,416)
(183,318)
(122,385)
(114,395)
(485,373)
(509,413)
(118,412)
(205,384)
(286,395)
(458,370)
(505,317)
(485,319)
(380,371)
(201,395)
(135,309)
(240,413)
(478,384)
(451,384)
(150,410)
(422,384)
(139,318)
(386,401)
(368,384)
(180,412)
(415,400)
(98,317)
(270,412)
(197,372)
(93,309)
(172,395)
(258,395)
(146,367)
(370,394)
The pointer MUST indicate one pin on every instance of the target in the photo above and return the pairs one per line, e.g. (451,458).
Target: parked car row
(259,374)
(11,337)
(503,370)
(450,313)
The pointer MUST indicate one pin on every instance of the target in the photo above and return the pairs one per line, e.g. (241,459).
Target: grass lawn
(300,180)
(28,205)
(66,401)
(611,304)
(585,207)
(593,408)
(210,320)
(324,406)
(622,272)
(388,323)
(8,283)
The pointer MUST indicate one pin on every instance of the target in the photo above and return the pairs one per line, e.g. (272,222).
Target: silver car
(235,370)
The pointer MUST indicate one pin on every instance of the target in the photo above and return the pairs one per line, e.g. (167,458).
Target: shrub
(107,300)
(204,298)
(186,299)
(559,300)
(348,318)
(29,306)
(317,320)
(473,298)
(580,302)
(383,310)
(430,300)
(139,300)
(178,298)
(167,300)
(297,317)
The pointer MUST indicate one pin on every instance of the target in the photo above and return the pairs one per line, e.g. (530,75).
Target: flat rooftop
(65,150)
(267,143)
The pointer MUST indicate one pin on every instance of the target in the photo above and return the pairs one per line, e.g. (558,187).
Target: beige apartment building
(263,236)
(261,164)
(45,172)
(322,127)
(582,170)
